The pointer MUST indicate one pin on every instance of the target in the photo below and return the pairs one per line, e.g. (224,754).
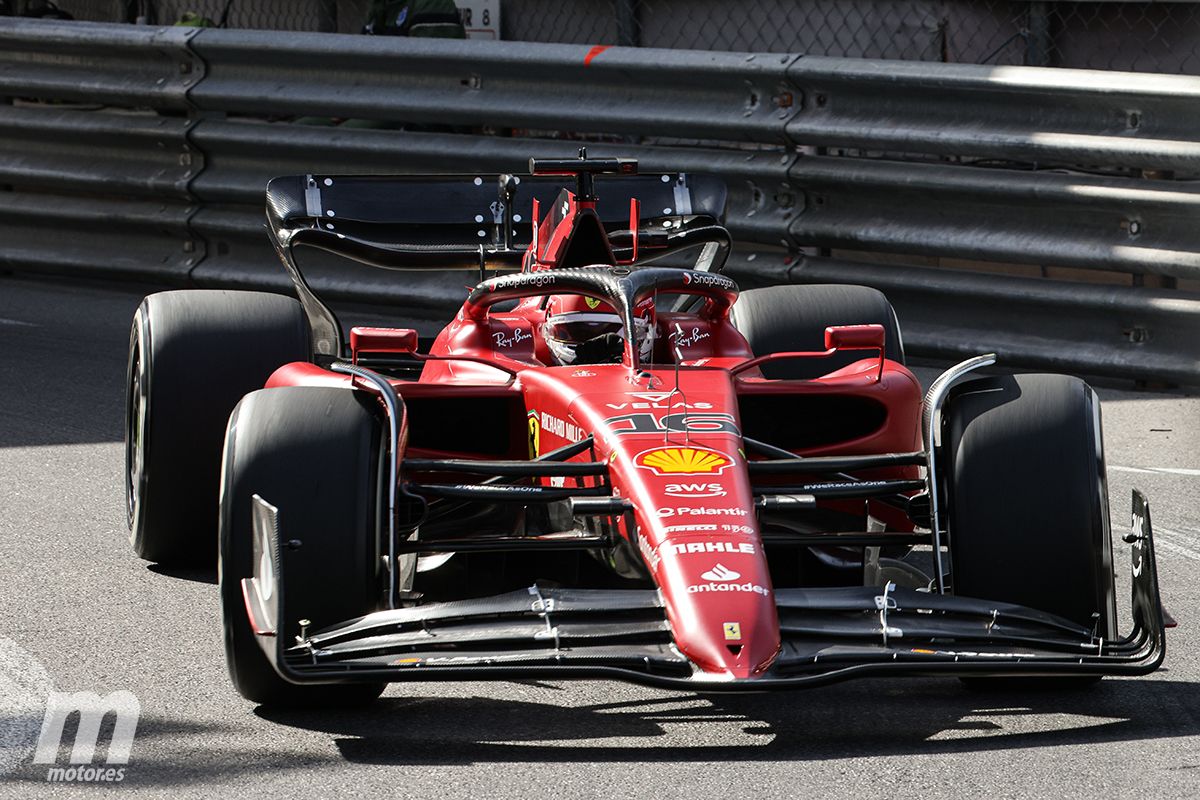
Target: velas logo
(659,401)
(653,397)
(683,461)
(721,574)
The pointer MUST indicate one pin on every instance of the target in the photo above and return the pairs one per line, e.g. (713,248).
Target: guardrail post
(1039,42)
(327,16)
(627,23)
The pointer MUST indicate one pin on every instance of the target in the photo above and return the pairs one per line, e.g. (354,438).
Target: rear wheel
(779,319)
(1027,499)
(793,318)
(192,355)
(314,454)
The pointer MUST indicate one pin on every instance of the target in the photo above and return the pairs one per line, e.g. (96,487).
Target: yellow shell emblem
(683,461)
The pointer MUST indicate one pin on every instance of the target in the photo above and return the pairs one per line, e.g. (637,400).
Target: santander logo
(720,573)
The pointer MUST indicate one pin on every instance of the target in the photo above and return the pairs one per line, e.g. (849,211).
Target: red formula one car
(610,465)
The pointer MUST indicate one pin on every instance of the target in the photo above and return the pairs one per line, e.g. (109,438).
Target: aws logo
(683,461)
(695,490)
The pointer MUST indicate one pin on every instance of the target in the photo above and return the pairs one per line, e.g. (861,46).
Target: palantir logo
(720,573)
(92,709)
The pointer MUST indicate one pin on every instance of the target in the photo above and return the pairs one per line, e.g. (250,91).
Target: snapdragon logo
(92,709)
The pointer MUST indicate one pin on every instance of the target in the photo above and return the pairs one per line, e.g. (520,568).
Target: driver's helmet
(581,330)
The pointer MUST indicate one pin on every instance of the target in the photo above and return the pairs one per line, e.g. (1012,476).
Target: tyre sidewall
(200,352)
(793,318)
(313,453)
(1027,496)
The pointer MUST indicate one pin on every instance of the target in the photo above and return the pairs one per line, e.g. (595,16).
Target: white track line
(5,321)
(1164,539)
(1191,537)
(24,687)
(1191,473)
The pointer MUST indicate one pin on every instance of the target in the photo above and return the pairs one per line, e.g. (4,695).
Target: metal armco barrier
(680,93)
(1041,324)
(161,177)
(1069,220)
(92,63)
(1018,113)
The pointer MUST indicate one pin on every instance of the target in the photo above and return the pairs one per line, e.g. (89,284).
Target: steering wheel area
(620,287)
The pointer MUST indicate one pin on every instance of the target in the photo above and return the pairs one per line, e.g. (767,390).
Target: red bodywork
(671,435)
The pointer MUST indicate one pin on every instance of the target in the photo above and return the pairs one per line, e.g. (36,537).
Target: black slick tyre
(192,355)
(314,454)
(793,317)
(1027,498)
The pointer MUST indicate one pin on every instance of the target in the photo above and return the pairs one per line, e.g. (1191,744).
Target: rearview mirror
(382,340)
(854,337)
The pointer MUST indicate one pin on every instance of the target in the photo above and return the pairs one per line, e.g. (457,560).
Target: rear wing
(468,222)
(387,220)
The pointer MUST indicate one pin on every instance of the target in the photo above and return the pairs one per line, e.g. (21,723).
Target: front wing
(828,634)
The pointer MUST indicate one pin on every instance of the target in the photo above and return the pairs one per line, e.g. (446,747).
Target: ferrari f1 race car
(611,463)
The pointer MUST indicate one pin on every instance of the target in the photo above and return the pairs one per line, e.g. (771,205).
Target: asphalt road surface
(78,612)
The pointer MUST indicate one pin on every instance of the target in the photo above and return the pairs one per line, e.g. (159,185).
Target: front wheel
(1027,498)
(314,454)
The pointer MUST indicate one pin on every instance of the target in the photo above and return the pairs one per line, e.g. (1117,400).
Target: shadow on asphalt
(62,372)
(874,718)
(185,766)
(191,574)
(65,344)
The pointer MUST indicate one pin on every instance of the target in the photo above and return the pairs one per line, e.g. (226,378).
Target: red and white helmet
(581,330)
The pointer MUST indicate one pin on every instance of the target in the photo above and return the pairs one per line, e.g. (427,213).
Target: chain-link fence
(286,15)
(1137,36)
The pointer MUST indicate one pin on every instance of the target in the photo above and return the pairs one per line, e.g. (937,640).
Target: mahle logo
(92,709)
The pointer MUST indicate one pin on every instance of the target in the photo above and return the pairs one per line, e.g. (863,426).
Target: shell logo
(683,461)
